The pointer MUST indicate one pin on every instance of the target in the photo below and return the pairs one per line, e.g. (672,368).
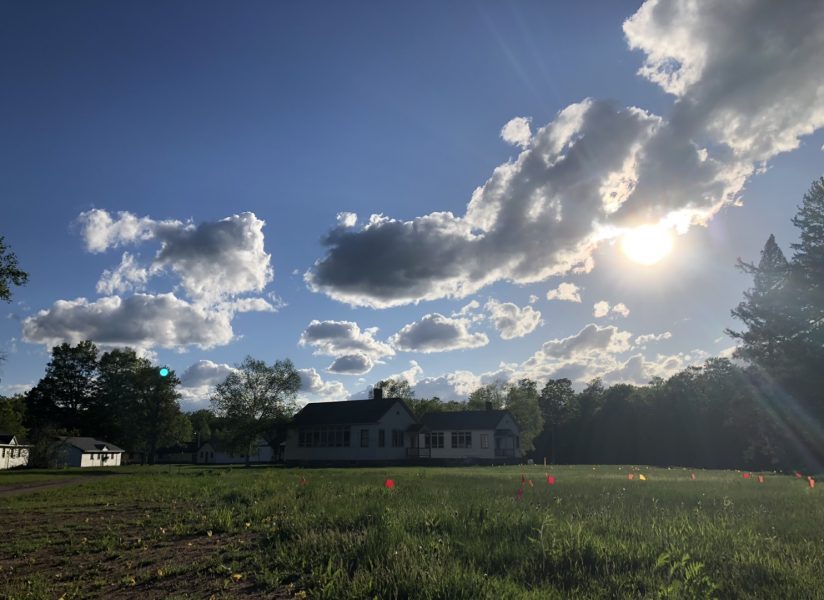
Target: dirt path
(25,488)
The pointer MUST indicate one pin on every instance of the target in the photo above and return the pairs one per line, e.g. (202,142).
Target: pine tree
(765,309)
(808,264)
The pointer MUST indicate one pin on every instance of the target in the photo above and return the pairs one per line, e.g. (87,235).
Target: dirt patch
(16,489)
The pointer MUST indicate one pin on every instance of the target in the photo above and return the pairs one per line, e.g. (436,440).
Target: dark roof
(6,438)
(346,412)
(87,444)
(465,419)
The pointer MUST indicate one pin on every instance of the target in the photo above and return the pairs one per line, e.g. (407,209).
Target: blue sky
(177,116)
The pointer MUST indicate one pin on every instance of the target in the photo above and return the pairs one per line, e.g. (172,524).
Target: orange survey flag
(746,475)
(630,476)
(523,479)
(760,479)
(692,476)
(389,484)
(530,483)
(812,482)
(550,480)
(303,480)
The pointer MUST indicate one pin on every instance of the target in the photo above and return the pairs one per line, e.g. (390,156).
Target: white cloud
(351,364)
(652,337)
(517,132)
(620,309)
(101,232)
(410,375)
(126,277)
(213,260)
(533,298)
(340,338)
(510,320)
(600,309)
(311,383)
(437,333)
(347,219)
(12,389)
(457,385)
(141,321)
(565,291)
(198,381)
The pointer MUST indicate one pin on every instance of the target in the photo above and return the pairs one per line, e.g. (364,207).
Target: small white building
(12,453)
(214,453)
(86,452)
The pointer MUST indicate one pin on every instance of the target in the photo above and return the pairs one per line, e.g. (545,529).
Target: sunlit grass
(441,533)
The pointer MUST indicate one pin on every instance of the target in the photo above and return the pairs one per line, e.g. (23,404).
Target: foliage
(12,415)
(255,399)
(10,272)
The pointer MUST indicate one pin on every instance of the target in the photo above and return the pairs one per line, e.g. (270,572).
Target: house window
(364,438)
(437,439)
(461,439)
(4,453)
(381,438)
(484,440)
(331,436)
(397,438)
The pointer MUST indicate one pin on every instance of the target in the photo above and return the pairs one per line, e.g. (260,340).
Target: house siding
(396,418)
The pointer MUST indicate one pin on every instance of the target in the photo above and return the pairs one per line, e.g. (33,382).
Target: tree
(494,393)
(12,415)
(255,399)
(156,418)
(393,388)
(808,262)
(202,421)
(522,402)
(556,401)
(70,385)
(10,272)
(765,308)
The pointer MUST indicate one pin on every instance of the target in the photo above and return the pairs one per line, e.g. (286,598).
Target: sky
(445,192)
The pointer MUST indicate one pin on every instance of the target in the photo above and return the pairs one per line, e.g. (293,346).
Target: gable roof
(87,444)
(346,412)
(465,419)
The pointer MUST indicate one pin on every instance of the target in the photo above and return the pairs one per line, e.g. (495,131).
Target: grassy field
(199,532)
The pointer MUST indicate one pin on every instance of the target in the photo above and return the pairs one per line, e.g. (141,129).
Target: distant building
(86,452)
(384,430)
(180,453)
(215,453)
(12,453)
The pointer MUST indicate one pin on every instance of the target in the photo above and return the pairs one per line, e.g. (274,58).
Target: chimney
(377,393)
(488,406)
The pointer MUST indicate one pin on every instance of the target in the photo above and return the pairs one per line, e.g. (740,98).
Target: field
(200,532)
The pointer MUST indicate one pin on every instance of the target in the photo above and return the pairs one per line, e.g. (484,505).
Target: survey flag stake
(746,475)
(550,480)
(389,484)
(692,476)
(760,479)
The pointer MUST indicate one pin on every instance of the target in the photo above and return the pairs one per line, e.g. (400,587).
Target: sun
(647,244)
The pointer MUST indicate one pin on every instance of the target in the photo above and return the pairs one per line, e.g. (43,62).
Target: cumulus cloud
(510,320)
(126,277)
(351,364)
(213,260)
(602,309)
(598,169)
(339,338)
(517,132)
(347,219)
(198,381)
(565,291)
(437,333)
(141,321)
(311,383)
(652,337)
(457,385)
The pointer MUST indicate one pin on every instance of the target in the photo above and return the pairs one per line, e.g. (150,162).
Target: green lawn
(196,532)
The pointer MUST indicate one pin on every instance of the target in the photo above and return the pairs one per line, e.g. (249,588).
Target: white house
(384,430)
(214,453)
(86,452)
(12,453)
(468,435)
